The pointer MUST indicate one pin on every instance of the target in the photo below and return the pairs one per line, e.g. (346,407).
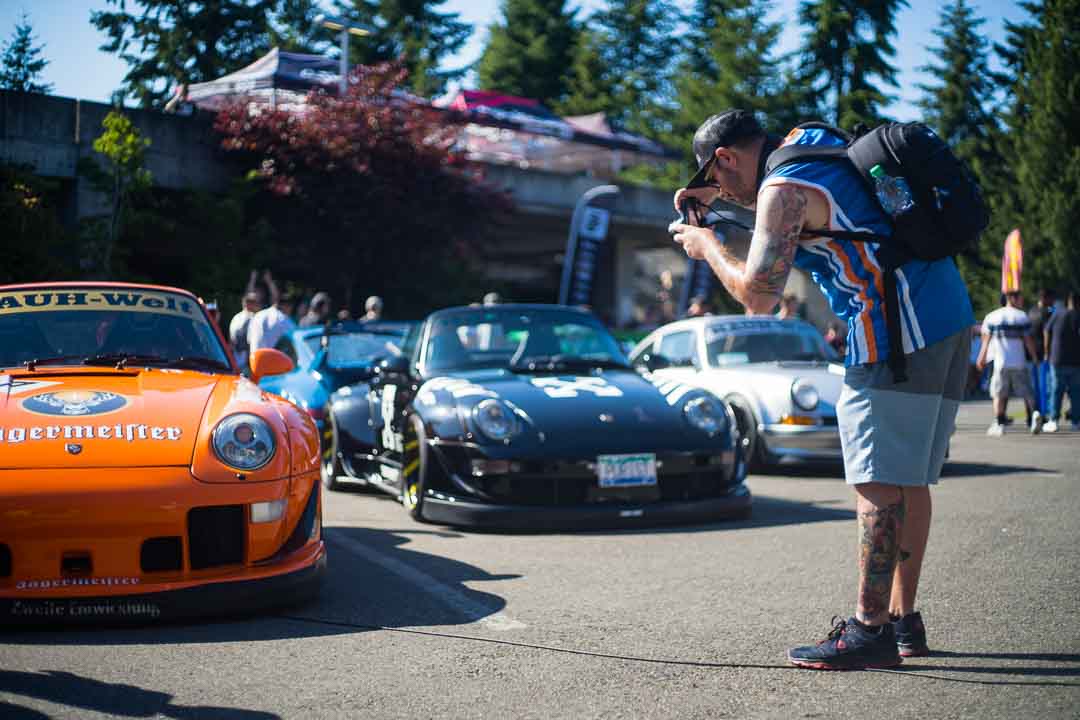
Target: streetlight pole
(344,29)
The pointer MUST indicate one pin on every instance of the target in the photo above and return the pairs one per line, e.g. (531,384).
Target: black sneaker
(850,646)
(911,636)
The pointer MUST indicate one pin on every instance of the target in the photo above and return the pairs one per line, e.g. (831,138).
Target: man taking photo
(894,434)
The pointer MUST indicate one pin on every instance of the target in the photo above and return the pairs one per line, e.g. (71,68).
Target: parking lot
(423,621)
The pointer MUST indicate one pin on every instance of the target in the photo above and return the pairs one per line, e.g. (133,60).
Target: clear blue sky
(78,69)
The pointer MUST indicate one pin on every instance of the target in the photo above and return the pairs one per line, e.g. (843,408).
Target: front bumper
(798,443)
(451,510)
(218,598)
(118,543)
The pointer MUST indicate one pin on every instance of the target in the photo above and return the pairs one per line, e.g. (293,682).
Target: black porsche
(530,416)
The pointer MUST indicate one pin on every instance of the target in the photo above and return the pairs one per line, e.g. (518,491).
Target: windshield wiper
(198,362)
(122,360)
(31,365)
(554,362)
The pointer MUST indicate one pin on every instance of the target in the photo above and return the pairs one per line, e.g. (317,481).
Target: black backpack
(949,212)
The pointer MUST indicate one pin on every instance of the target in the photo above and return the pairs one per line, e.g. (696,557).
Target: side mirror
(393,364)
(652,362)
(267,361)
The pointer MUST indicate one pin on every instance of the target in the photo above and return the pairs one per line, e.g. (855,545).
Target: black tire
(416,464)
(748,434)
(329,463)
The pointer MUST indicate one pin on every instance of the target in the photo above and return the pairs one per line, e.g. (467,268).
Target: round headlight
(244,441)
(804,394)
(495,419)
(706,414)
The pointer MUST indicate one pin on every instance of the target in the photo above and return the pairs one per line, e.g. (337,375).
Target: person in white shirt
(1006,332)
(269,325)
(238,328)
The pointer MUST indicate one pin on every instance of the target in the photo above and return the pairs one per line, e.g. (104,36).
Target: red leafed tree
(363,193)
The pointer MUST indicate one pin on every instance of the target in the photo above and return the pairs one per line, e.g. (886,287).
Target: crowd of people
(1035,356)
(258,325)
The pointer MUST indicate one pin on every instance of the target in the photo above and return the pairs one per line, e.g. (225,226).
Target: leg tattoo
(879,547)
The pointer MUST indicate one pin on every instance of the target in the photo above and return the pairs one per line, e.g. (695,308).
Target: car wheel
(330,465)
(416,464)
(748,435)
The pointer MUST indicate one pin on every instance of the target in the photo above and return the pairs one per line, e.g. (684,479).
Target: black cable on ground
(658,661)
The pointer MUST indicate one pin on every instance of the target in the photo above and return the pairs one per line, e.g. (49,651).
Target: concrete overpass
(51,134)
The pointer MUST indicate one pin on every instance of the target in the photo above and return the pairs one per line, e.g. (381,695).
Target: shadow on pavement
(767,512)
(64,688)
(379,583)
(928,670)
(976,469)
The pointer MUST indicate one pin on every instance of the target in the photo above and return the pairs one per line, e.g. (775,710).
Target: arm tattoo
(772,250)
(879,547)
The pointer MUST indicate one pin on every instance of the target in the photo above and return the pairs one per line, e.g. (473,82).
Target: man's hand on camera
(696,241)
(696,196)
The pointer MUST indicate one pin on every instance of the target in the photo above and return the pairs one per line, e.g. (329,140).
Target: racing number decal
(391,440)
(555,387)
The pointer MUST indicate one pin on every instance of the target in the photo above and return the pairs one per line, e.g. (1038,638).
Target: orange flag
(1012,262)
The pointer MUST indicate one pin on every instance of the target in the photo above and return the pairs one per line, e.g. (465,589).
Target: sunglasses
(702,178)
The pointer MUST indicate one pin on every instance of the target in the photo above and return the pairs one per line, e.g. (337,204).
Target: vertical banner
(588,231)
(1012,262)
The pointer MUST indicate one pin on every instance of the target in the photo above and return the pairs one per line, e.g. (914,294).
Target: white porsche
(780,377)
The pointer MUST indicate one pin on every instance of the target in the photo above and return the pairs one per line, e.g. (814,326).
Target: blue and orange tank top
(934,302)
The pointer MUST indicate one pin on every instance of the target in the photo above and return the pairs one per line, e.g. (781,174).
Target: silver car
(779,376)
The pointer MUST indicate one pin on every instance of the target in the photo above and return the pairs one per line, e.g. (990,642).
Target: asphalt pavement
(422,621)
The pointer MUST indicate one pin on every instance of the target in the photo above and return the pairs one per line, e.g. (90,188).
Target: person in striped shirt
(894,435)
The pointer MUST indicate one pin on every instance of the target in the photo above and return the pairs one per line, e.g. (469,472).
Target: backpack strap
(897,361)
(790,154)
(818,125)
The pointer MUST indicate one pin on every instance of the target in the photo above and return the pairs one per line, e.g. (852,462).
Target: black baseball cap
(720,130)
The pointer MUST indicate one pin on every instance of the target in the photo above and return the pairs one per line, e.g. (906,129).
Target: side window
(285,345)
(678,348)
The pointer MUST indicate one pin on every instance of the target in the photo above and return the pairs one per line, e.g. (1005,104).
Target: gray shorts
(1011,382)
(899,434)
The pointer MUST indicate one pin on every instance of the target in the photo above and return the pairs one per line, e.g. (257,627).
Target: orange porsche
(141,476)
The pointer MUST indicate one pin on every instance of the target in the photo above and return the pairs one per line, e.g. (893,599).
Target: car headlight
(244,441)
(495,419)
(706,414)
(804,394)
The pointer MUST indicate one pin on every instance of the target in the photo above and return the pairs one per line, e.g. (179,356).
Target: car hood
(772,381)
(99,417)
(614,410)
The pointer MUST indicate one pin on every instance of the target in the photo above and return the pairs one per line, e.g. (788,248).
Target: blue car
(330,357)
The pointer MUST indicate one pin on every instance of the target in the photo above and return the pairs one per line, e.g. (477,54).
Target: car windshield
(757,341)
(356,349)
(520,339)
(81,325)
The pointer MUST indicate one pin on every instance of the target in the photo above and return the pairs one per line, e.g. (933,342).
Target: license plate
(613,471)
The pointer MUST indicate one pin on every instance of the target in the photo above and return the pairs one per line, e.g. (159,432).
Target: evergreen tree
(294,29)
(631,41)
(166,43)
(1043,144)
(530,51)
(412,30)
(589,86)
(956,107)
(728,62)
(22,61)
(845,57)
